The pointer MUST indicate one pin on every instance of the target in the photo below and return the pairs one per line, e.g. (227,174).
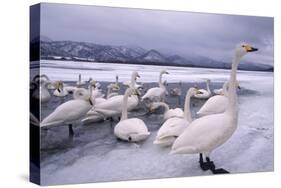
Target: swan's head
(164,72)
(193,91)
(93,83)
(135,75)
(243,49)
(208,80)
(58,84)
(83,94)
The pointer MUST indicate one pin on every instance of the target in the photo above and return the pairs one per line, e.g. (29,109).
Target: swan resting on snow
(132,129)
(174,126)
(207,133)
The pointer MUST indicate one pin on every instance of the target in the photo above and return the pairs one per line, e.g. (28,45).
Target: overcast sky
(171,32)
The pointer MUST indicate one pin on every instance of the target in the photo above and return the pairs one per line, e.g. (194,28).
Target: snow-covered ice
(94,154)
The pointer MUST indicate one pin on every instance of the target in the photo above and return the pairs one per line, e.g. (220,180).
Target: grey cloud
(183,33)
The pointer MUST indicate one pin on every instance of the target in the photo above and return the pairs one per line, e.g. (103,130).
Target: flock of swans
(216,123)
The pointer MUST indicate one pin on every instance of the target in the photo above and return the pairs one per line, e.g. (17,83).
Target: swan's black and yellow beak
(249,48)
(91,102)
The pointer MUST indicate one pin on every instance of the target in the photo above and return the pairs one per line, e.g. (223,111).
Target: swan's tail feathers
(93,118)
(164,142)
(184,150)
(50,124)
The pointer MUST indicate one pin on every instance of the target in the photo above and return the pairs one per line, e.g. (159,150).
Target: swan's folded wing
(204,134)
(172,127)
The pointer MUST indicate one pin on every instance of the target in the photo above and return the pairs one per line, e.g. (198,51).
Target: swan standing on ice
(207,133)
(168,113)
(174,126)
(132,129)
(156,94)
(205,93)
(112,107)
(70,111)
(60,91)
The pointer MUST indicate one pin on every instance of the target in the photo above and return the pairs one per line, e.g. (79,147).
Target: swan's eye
(130,138)
(243,46)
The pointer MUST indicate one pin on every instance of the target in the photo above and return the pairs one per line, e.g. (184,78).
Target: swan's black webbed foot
(70,130)
(212,167)
(203,165)
(220,171)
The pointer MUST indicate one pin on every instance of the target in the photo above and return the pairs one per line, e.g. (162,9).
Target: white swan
(80,83)
(96,91)
(207,133)
(44,93)
(168,113)
(156,94)
(112,107)
(113,88)
(216,104)
(60,91)
(132,129)
(70,111)
(174,126)
(205,93)
(222,91)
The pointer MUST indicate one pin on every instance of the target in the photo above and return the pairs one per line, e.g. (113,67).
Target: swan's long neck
(124,107)
(232,95)
(133,82)
(108,91)
(116,81)
(161,85)
(79,78)
(187,113)
(208,86)
(224,89)
(166,107)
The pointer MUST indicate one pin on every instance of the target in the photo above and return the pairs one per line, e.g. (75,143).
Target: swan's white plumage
(173,127)
(207,133)
(170,130)
(204,93)
(132,129)
(214,105)
(69,111)
(156,94)
(168,113)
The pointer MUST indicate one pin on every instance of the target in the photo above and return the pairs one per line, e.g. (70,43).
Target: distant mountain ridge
(84,51)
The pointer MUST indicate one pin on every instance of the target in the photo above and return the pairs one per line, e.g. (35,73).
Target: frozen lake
(94,154)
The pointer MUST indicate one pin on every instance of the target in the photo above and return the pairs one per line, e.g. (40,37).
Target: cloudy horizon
(170,32)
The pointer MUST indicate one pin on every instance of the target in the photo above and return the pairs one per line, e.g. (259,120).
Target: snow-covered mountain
(84,51)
